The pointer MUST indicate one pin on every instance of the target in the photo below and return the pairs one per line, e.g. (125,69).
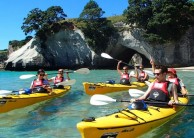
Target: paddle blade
(67,83)
(83,71)
(105,55)
(135,92)
(5,92)
(27,76)
(98,99)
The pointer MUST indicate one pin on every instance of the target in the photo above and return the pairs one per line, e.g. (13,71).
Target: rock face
(180,53)
(67,49)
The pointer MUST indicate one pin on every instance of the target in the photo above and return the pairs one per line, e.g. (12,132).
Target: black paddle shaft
(156,102)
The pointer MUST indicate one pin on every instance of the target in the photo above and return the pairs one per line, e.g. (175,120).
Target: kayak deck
(129,123)
(11,102)
(103,88)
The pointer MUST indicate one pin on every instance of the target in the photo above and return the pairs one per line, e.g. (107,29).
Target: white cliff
(68,49)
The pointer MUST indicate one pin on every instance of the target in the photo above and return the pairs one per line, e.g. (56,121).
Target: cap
(40,70)
(172,70)
(61,70)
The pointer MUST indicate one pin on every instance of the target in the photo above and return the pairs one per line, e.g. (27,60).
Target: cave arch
(127,53)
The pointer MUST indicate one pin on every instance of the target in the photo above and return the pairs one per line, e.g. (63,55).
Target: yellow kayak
(11,102)
(103,88)
(129,123)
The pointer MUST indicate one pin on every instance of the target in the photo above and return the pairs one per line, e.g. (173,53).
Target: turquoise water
(57,118)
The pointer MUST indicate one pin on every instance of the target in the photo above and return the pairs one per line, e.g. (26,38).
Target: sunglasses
(41,74)
(157,74)
(60,72)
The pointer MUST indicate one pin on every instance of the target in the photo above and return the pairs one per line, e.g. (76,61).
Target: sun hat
(172,70)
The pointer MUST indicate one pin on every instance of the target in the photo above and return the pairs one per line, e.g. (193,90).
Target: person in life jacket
(159,90)
(142,75)
(172,77)
(59,78)
(41,84)
(125,77)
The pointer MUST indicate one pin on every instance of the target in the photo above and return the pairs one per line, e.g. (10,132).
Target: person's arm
(153,64)
(144,97)
(118,67)
(46,86)
(51,79)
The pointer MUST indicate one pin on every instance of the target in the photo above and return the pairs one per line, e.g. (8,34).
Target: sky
(12,13)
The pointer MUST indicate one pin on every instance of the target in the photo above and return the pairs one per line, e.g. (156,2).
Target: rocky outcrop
(68,49)
(180,53)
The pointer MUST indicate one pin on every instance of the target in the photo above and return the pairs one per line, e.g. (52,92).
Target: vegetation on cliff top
(3,55)
(160,20)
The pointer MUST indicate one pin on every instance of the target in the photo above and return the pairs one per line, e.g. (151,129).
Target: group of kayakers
(41,83)
(162,89)
(138,74)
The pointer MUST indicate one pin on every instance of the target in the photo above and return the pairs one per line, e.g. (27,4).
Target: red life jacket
(176,82)
(141,75)
(159,91)
(58,79)
(125,76)
(37,83)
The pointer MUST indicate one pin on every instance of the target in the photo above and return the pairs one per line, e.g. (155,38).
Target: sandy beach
(186,68)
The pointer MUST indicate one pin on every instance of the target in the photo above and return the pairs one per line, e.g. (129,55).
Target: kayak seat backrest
(138,105)
(110,81)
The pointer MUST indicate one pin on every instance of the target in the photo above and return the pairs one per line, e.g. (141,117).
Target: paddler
(41,84)
(172,77)
(161,89)
(125,77)
(59,78)
(142,75)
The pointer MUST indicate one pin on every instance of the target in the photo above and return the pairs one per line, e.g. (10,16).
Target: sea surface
(57,118)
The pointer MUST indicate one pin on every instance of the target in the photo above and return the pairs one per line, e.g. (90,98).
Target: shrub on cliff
(161,20)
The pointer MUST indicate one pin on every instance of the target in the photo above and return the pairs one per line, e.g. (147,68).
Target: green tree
(161,20)
(43,22)
(96,28)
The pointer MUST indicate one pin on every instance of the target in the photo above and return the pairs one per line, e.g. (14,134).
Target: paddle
(138,93)
(67,82)
(80,71)
(64,83)
(98,99)
(135,92)
(105,55)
